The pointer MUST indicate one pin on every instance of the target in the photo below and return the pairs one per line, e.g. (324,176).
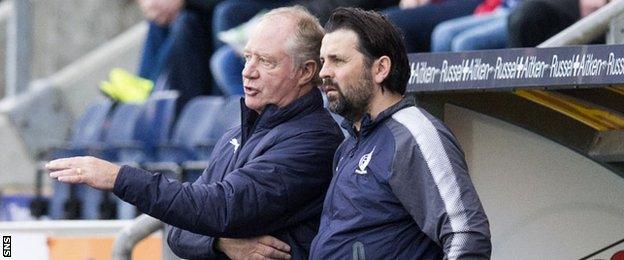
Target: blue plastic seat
(135,143)
(120,130)
(228,117)
(86,131)
(196,119)
(119,135)
(231,116)
(152,128)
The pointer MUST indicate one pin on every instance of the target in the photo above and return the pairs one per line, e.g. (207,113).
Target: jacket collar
(273,115)
(368,124)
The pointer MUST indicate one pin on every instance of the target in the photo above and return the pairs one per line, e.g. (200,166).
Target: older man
(401,188)
(266,177)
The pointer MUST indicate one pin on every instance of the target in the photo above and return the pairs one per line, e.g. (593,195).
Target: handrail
(18,48)
(588,28)
(128,237)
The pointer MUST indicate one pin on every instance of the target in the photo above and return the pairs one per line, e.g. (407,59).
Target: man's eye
(265,62)
(247,57)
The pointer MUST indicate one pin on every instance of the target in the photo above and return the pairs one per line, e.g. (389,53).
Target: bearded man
(400,188)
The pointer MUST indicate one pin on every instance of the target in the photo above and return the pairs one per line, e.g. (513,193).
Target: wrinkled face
(269,75)
(347,80)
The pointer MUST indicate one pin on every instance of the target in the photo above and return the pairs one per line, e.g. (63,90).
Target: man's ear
(308,71)
(381,69)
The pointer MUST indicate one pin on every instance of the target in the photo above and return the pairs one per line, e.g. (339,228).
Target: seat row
(148,135)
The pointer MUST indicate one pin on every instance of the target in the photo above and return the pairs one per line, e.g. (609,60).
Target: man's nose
(325,72)
(250,71)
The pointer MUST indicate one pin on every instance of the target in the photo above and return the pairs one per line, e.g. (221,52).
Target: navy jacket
(401,190)
(267,177)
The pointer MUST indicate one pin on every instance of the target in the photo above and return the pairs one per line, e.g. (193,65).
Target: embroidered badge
(364,161)
(235,143)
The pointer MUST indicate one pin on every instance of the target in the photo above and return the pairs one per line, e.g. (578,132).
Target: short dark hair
(377,37)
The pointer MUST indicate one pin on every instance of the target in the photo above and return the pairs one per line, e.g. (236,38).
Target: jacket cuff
(189,245)
(127,178)
(213,252)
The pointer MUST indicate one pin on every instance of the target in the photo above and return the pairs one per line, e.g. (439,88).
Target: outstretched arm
(270,192)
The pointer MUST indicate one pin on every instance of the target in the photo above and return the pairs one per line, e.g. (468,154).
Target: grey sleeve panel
(430,178)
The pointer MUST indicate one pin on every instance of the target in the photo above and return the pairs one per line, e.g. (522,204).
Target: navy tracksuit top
(267,177)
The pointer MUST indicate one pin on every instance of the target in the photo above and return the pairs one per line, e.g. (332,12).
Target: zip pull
(355,147)
(358,251)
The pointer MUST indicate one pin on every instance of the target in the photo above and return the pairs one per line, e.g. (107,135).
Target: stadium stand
(191,132)
(228,117)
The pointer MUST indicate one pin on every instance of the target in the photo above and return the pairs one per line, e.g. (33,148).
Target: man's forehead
(339,41)
(273,26)
(268,35)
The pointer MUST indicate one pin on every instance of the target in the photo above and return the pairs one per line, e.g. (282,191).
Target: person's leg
(417,23)
(444,34)
(155,50)
(534,21)
(490,35)
(187,69)
(226,68)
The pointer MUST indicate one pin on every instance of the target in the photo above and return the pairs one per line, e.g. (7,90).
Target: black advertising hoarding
(513,68)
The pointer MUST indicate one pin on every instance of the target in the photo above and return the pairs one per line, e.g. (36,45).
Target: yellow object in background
(125,87)
(588,114)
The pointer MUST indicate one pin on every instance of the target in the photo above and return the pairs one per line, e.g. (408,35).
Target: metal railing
(128,237)
(18,48)
(588,28)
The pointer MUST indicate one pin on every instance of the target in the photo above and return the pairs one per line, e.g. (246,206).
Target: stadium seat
(152,127)
(120,127)
(134,143)
(86,131)
(191,132)
(226,119)
(132,132)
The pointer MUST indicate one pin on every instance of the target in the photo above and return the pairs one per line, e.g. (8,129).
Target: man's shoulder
(413,127)
(416,121)
(319,121)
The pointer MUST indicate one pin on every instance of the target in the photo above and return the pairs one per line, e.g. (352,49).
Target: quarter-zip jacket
(401,190)
(268,176)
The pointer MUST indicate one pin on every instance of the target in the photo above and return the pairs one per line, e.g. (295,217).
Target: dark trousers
(155,51)
(417,23)
(177,57)
(534,21)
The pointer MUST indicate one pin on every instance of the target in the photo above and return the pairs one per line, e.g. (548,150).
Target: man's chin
(336,108)
(252,104)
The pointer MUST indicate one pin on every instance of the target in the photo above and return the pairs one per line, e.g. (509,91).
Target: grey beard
(344,108)
(347,109)
(353,109)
